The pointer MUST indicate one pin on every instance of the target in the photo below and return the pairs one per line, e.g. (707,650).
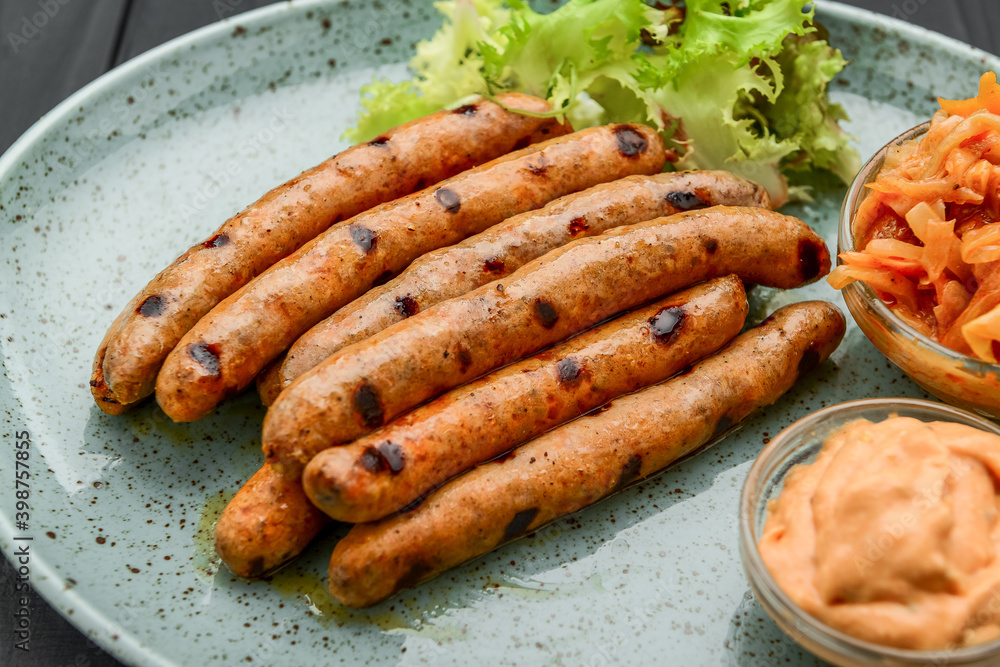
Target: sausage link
(267,523)
(581,462)
(370,383)
(104,398)
(228,347)
(405,159)
(268,381)
(394,466)
(523,401)
(537,395)
(504,248)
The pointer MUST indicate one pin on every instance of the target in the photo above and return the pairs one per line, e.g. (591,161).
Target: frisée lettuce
(739,85)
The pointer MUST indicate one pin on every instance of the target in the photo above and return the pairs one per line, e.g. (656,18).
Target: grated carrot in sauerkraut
(929,232)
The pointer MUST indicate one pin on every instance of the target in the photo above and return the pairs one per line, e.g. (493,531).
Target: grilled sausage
(404,160)
(267,523)
(370,383)
(500,250)
(229,346)
(581,462)
(392,467)
(523,400)
(268,381)
(104,398)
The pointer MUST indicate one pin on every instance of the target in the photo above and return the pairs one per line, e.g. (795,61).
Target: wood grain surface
(44,58)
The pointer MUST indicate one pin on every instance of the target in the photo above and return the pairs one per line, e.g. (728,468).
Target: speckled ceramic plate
(111,185)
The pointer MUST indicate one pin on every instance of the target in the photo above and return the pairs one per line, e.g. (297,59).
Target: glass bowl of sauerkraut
(919,252)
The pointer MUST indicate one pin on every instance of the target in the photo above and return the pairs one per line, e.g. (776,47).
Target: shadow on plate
(754,639)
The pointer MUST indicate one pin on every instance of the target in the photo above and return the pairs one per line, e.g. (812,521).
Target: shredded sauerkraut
(929,228)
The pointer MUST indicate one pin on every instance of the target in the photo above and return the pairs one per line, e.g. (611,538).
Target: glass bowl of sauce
(800,445)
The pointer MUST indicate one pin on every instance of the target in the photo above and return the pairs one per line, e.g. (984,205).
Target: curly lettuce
(740,85)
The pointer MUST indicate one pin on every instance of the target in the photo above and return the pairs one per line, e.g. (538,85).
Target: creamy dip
(893,534)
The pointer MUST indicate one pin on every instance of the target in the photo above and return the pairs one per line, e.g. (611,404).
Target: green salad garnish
(738,85)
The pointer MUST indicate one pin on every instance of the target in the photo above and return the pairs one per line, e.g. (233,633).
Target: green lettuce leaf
(706,98)
(446,69)
(745,29)
(803,114)
(385,105)
(738,85)
(580,37)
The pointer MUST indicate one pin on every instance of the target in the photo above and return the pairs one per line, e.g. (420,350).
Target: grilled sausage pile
(466,328)
(404,160)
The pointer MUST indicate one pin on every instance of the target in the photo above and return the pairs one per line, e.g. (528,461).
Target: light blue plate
(115,182)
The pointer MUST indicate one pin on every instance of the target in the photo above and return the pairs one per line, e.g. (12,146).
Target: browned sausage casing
(405,159)
(370,383)
(268,381)
(267,523)
(392,467)
(504,248)
(223,352)
(103,396)
(581,462)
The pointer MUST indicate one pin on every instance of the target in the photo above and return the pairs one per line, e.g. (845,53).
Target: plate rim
(45,581)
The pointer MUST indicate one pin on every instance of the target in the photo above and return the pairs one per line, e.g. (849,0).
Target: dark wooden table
(82,39)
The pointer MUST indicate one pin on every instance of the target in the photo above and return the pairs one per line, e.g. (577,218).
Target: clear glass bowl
(800,443)
(951,376)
